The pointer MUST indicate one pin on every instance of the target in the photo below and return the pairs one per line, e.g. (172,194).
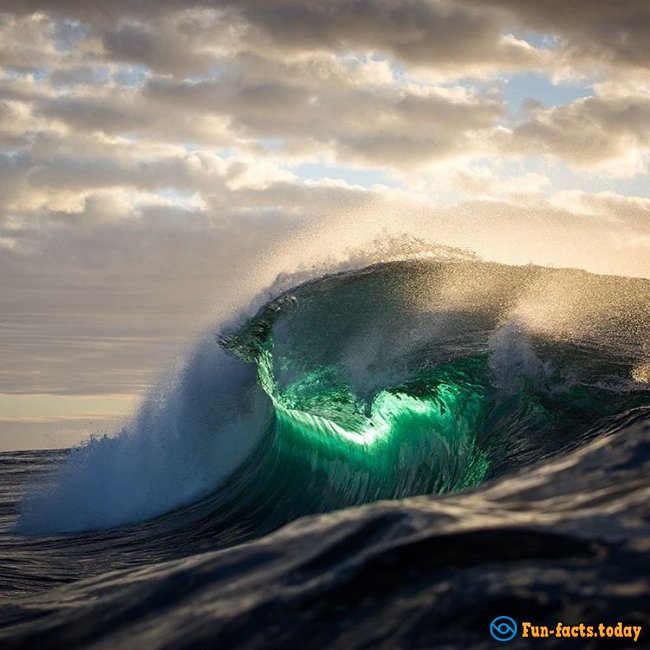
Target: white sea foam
(189,434)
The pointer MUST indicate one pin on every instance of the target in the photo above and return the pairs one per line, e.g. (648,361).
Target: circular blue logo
(503,628)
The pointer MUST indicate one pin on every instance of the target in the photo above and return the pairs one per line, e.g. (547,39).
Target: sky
(161,162)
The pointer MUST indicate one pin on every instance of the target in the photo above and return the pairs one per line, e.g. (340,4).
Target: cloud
(163,160)
(348,108)
(181,44)
(483,182)
(609,130)
(26,43)
(178,37)
(615,208)
(610,33)
(430,34)
(322,100)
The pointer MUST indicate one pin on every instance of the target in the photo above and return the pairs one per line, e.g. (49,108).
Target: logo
(503,628)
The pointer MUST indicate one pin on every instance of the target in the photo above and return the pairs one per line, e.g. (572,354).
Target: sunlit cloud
(163,161)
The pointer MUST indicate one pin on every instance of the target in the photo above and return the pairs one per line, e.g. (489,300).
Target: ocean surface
(387,457)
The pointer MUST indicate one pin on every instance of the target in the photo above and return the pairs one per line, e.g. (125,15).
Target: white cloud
(153,156)
(609,132)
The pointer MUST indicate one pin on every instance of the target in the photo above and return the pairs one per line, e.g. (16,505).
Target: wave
(409,377)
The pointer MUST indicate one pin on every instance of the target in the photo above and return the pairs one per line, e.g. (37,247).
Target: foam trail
(187,437)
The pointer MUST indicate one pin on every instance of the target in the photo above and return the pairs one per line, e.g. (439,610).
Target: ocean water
(386,457)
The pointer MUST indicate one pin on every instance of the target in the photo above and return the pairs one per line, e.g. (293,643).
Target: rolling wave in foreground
(457,440)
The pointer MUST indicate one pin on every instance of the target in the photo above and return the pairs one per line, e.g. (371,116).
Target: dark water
(495,420)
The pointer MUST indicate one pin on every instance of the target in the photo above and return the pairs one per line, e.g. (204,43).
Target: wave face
(417,378)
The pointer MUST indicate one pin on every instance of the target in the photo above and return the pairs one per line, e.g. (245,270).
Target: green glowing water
(408,379)
(428,425)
